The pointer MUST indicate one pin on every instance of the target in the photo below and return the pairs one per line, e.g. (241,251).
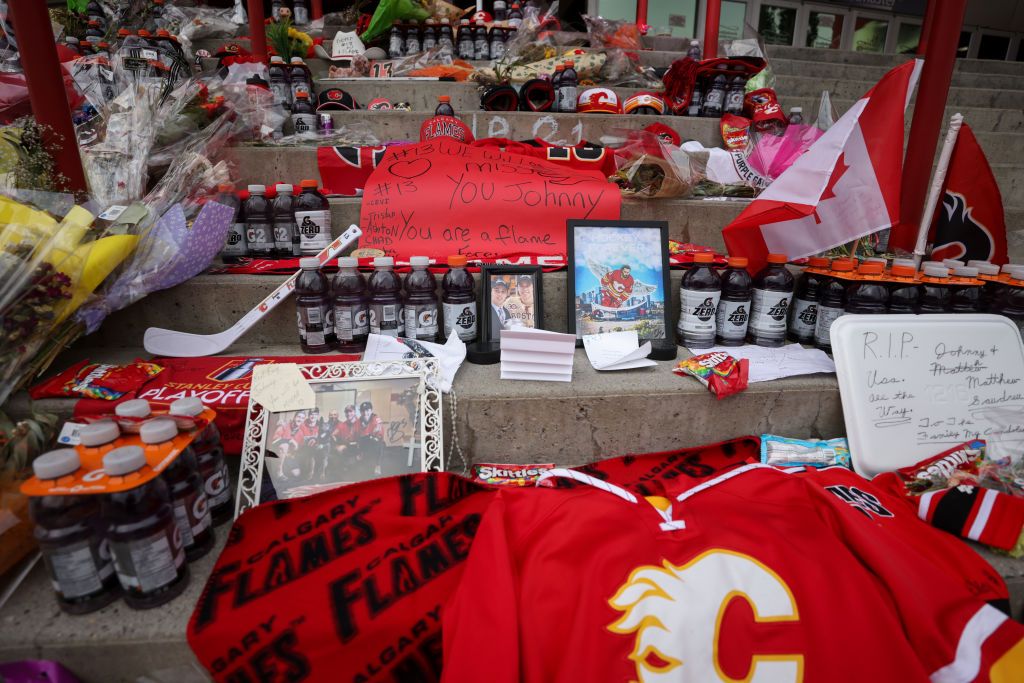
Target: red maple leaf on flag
(828,192)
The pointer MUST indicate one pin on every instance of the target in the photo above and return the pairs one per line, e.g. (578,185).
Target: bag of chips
(96,380)
(722,374)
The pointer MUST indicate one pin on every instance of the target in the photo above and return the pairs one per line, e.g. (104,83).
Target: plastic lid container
(56,464)
(348,262)
(257,189)
(283,188)
(191,406)
(457,261)
(738,261)
(909,262)
(843,265)
(777,258)
(703,258)
(98,433)
(137,407)
(383,262)
(817,262)
(901,270)
(306,182)
(987,269)
(158,430)
(309,263)
(124,460)
(935,270)
(965,271)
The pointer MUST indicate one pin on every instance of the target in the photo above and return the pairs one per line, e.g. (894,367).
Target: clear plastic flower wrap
(649,168)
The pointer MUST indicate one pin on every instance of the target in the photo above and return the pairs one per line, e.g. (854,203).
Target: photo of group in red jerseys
(357,430)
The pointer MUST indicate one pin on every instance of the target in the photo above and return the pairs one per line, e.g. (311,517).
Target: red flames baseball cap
(598,101)
(445,127)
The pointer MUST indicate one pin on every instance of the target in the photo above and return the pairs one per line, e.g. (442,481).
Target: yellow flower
(296,34)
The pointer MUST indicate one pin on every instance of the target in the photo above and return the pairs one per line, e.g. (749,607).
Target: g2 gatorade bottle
(966,298)
(444,106)
(386,315)
(277,72)
(313,218)
(989,274)
(699,294)
(772,294)
(285,234)
(420,301)
(259,224)
(904,292)
(351,310)
(188,495)
(733,312)
(804,312)
(145,541)
(936,295)
(70,536)
(831,304)
(313,308)
(459,300)
(209,458)
(234,245)
(868,296)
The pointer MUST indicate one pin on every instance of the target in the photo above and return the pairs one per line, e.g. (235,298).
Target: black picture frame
(489,326)
(580,305)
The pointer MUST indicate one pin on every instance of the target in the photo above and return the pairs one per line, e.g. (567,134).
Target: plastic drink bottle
(1011,304)
(989,274)
(831,304)
(734,97)
(567,88)
(188,495)
(699,294)
(935,297)
(69,532)
(515,15)
(481,47)
(772,294)
(300,13)
(396,41)
(458,299)
(444,106)
(556,85)
(209,458)
(430,35)
(284,222)
(412,38)
(904,293)
(695,101)
(277,73)
(868,296)
(467,49)
(694,51)
(303,114)
(733,314)
(498,41)
(351,309)
(234,245)
(386,316)
(796,115)
(715,99)
(966,298)
(804,311)
(299,76)
(313,218)
(500,10)
(420,301)
(313,308)
(145,541)
(444,37)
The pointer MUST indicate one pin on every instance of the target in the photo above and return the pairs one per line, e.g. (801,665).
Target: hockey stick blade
(161,342)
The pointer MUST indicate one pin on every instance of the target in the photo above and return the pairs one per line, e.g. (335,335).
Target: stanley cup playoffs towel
(846,186)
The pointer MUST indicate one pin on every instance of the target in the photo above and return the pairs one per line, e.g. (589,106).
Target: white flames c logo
(676,614)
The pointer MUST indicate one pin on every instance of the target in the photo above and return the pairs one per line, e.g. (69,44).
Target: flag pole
(955,121)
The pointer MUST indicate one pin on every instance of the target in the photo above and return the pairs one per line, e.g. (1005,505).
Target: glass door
(908,37)
(824,28)
(870,33)
(776,22)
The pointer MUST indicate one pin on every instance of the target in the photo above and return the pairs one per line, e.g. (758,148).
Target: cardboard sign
(442,197)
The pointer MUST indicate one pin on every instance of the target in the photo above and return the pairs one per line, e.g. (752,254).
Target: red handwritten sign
(443,197)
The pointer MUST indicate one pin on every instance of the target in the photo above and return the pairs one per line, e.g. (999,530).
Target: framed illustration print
(618,279)
(512,298)
(370,420)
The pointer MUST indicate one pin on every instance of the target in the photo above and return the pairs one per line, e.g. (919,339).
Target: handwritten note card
(281,386)
(912,386)
(444,197)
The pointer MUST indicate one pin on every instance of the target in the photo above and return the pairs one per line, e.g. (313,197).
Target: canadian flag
(845,186)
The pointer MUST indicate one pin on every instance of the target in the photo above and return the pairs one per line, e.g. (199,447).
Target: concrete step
(811,86)
(860,72)
(810,54)
(981,119)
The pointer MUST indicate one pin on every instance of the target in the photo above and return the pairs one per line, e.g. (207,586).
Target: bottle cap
(295,60)
(283,188)
(870,268)
(935,270)
(124,460)
(877,259)
(909,262)
(137,407)
(122,32)
(98,433)
(257,189)
(1016,271)
(158,430)
(777,258)
(277,59)
(163,33)
(987,269)
(738,261)
(457,260)
(302,95)
(446,21)
(144,33)
(56,464)
(225,187)
(817,262)
(974,263)
(1010,266)
(414,22)
(419,261)
(694,42)
(965,271)
(900,270)
(933,263)
(308,183)
(190,406)
(796,110)
(843,265)
(348,262)
(952,262)
(309,263)
(444,98)
(383,262)
(703,257)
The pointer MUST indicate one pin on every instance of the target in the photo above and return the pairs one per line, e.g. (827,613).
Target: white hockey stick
(163,342)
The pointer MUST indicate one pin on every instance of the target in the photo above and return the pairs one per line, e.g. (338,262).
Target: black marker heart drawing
(413,168)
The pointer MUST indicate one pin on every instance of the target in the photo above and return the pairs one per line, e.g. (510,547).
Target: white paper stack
(537,354)
(617,351)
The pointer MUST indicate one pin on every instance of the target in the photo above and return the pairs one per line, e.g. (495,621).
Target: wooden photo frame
(517,308)
(397,429)
(618,279)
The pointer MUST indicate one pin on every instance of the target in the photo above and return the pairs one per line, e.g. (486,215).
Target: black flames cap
(335,99)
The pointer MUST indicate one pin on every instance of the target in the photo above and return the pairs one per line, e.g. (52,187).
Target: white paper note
(775,363)
(539,355)
(281,386)
(617,351)
(450,354)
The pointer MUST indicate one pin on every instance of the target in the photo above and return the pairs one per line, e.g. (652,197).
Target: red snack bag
(509,475)
(735,131)
(722,374)
(96,380)
(936,472)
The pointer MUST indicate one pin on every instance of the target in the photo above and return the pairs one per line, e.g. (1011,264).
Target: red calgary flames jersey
(755,574)
(585,156)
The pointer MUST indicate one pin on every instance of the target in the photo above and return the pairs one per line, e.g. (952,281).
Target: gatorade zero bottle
(935,293)
(234,246)
(313,218)
(805,302)
(351,310)
(145,541)
(772,294)
(313,308)
(459,300)
(188,495)
(70,536)
(966,298)
(209,458)
(904,293)
(831,304)
(733,312)
(699,294)
(386,316)
(420,301)
(259,229)
(868,295)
